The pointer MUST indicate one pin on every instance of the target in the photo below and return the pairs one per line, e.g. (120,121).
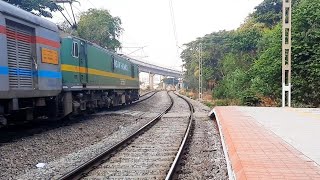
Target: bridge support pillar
(151,80)
(164,86)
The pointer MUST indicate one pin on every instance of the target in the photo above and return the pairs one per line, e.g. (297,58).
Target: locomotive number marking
(121,65)
(49,56)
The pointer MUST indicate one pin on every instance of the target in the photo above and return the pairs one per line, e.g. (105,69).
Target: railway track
(142,98)
(16,131)
(151,152)
(146,96)
(146,93)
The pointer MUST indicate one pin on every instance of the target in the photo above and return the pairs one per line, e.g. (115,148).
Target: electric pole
(200,71)
(286,53)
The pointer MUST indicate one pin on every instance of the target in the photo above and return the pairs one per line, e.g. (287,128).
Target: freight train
(46,75)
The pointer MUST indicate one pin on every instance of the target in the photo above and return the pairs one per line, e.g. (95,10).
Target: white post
(200,72)
(286,52)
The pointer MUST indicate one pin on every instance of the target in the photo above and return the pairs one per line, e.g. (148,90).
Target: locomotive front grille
(19,45)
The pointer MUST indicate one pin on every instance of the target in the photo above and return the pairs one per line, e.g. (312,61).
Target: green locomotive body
(86,65)
(95,77)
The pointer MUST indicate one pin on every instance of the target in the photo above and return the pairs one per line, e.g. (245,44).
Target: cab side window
(75,50)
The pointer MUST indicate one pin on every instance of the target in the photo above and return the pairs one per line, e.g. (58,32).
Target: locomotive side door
(83,62)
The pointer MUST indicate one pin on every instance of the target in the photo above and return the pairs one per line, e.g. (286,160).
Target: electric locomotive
(45,75)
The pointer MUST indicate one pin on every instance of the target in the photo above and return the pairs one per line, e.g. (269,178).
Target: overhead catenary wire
(92,4)
(74,18)
(78,9)
(67,12)
(173,21)
(64,7)
(140,48)
(65,17)
(74,23)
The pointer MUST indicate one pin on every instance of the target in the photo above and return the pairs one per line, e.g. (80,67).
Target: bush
(250,101)
(209,104)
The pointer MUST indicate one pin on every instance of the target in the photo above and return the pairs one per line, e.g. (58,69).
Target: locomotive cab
(29,63)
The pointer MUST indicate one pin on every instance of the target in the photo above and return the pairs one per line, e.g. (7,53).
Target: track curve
(153,151)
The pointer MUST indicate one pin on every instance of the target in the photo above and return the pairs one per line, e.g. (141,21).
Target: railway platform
(270,143)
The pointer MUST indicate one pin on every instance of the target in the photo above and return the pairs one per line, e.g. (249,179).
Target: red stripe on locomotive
(27,38)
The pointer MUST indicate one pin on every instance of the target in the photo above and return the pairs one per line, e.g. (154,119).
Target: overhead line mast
(286,53)
(200,71)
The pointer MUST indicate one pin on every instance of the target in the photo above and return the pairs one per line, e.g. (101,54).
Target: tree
(306,53)
(38,7)
(269,12)
(266,70)
(98,26)
(215,45)
(247,61)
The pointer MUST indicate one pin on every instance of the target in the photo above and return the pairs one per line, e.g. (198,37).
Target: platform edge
(231,174)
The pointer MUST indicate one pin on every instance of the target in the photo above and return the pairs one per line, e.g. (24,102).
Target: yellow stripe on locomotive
(84,63)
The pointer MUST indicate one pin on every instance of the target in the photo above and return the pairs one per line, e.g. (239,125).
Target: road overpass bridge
(154,69)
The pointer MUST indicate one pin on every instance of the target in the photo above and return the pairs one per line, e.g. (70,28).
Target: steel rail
(147,93)
(86,167)
(175,163)
(138,101)
(134,102)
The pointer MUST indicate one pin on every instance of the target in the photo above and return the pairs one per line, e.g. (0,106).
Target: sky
(148,24)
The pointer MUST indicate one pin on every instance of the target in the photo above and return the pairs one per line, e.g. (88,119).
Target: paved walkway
(271,143)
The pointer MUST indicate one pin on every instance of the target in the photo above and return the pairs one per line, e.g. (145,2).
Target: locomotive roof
(17,12)
(97,46)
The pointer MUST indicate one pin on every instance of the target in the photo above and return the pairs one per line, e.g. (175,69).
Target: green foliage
(209,104)
(38,7)
(246,63)
(266,70)
(269,12)
(306,53)
(225,102)
(233,86)
(214,47)
(245,40)
(100,27)
(222,102)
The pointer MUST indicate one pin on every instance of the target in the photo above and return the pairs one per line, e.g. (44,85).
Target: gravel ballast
(151,154)
(204,157)
(66,147)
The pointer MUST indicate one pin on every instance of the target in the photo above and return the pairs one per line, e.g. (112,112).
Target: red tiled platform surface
(257,153)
